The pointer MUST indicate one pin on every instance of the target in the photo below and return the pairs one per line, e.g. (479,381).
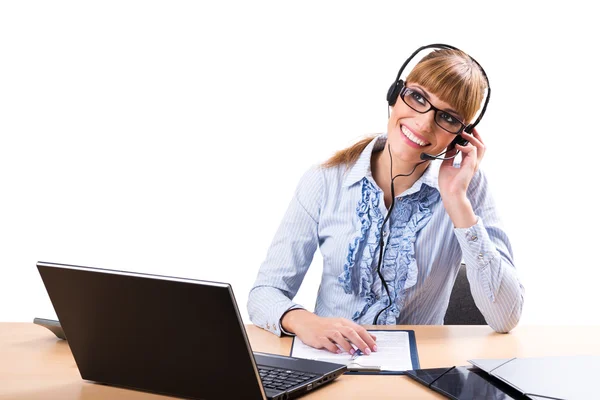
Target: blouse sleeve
(289,255)
(488,256)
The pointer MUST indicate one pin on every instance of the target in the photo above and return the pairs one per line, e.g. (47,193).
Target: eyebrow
(426,95)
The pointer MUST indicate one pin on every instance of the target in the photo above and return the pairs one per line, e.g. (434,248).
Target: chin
(402,151)
(407,154)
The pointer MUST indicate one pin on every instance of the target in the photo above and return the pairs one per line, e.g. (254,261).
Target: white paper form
(393,353)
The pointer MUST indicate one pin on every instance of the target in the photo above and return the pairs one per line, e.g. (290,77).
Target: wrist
(293,318)
(460,211)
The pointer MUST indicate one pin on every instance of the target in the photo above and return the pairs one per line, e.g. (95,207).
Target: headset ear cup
(459,140)
(394,92)
(390,94)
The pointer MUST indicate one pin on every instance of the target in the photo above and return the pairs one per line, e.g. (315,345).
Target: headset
(396,88)
(392,96)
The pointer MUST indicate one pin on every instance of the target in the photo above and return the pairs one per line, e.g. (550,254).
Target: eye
(449,119)
(418,97)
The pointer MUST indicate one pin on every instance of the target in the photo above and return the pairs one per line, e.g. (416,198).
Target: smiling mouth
(412,137)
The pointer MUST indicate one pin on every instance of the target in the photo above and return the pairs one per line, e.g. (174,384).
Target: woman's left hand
(455,181)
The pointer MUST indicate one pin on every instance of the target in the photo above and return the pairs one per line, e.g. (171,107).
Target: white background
(168,136)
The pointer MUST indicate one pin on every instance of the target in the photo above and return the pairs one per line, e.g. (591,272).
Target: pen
(357,353)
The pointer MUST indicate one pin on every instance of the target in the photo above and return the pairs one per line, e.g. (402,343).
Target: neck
(380,168)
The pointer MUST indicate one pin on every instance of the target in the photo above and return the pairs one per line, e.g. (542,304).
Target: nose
(425,122)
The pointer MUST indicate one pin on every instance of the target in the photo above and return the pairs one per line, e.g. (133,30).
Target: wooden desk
(36,365)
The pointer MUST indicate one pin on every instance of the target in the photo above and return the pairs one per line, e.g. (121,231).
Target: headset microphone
(457,140)
(430,157)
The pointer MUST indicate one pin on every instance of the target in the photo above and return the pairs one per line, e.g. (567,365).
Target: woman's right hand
(328,333)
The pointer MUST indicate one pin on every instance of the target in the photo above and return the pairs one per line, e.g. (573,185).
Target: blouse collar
(362,168)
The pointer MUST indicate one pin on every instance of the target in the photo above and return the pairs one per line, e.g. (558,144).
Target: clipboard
(325,355)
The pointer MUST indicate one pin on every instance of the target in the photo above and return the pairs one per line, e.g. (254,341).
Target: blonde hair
(453,77)
(449,74)
(349,155)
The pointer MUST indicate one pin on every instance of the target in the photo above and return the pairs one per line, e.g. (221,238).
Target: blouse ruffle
(399,268)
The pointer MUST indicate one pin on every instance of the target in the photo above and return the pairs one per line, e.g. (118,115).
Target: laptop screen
(160,334)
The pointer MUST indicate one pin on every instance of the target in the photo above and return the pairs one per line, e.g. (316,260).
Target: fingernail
(352,351)
(375,347)
(367,351)
(339,351)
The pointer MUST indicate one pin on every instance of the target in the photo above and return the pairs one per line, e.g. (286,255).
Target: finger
(477,135)
(367,337)
(361,338)
(325,343)
(450,153)
(469,157)
(478,145)
(465,149)
(475,140)
(337,338)
(481,148)
(468,151)
(355,339)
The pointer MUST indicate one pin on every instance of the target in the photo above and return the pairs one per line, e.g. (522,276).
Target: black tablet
(465,383)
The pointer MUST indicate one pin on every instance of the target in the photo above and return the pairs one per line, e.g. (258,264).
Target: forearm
(460,211)
(492,276)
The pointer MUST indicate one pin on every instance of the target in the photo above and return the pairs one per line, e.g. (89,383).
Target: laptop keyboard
(281,378)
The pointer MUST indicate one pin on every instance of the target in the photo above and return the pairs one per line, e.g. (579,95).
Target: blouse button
(481,256)
(474,238)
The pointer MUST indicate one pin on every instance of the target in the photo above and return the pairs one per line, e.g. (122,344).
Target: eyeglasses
(417,101)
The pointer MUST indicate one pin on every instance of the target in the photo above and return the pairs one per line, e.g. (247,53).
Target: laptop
(174,336)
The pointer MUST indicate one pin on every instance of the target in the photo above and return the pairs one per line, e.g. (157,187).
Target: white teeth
(412,137)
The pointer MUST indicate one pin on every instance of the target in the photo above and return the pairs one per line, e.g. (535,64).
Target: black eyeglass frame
(431,107)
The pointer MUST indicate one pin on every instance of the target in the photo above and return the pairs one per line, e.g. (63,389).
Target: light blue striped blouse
(341,211)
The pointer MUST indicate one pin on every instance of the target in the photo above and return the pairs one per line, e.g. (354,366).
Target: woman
(395,267)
